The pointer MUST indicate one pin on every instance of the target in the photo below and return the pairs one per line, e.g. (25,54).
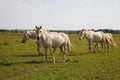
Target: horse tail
(111,41)
(69,45)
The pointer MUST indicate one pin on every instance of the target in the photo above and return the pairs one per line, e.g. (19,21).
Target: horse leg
(96,47)
(104,43)
(64,53)
(101,45)
(38,49)
(46,59)
(62,49)
(54,50)
(105,46)
(53,58)
(89,44)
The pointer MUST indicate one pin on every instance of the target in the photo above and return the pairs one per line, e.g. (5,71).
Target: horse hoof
(41,54)
(95,51)
(64,60)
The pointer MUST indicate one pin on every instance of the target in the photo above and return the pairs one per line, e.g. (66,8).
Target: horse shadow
(10,63)
(76,54)
(83,53)
(26,55)
(93,52)
(7,64)
(33,62)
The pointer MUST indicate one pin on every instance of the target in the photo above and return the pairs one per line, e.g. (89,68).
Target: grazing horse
(92,36)
(31,35)
(54,40)
(109,41)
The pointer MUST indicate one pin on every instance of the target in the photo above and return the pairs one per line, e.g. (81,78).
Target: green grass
(21,61)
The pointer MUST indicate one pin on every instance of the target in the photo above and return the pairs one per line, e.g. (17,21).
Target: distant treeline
(65,31)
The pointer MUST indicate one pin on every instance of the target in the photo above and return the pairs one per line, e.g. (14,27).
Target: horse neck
(44,35)
(86,34)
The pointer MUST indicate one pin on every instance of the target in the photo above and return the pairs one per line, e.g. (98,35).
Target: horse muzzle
(23,42)
(80,38)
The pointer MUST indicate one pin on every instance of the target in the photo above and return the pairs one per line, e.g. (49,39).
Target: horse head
(38,30)
(25,37)
(82,33)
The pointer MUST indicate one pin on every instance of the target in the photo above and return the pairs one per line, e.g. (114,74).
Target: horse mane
(46,32)
(87,34)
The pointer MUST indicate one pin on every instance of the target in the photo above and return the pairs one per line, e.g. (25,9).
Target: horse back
(55,39)
(97,36)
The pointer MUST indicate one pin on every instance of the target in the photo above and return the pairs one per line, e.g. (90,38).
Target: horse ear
(36,27)
(40,27)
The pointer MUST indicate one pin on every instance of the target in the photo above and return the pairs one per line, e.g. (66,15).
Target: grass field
(21,61)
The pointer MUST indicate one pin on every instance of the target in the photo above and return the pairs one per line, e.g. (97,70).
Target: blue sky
(60,14)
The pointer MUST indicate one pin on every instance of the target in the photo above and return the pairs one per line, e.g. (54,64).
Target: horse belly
(97,38)
(57,43)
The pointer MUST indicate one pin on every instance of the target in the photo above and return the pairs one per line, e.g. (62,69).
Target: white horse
(54,40)
(31,35)
(109,41)
(92,36)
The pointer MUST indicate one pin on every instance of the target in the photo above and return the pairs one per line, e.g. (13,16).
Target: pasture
(20,61)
